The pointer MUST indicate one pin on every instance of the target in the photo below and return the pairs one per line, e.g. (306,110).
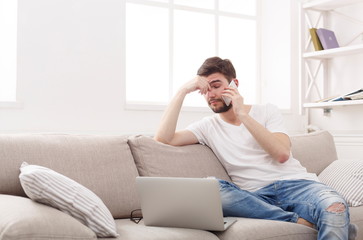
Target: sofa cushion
(315,151)
(49,187)
(258,229)
(100,163)
(131,231)
(356,217)
(153,158)
(22,218)
(346,177)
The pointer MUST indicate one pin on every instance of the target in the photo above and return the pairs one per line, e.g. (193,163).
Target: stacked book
(354,95)
(323,39)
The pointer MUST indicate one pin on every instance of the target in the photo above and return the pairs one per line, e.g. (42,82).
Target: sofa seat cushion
(155,159)
(258,229)
(356,217)
(129,230)
(103,164)
(22,218)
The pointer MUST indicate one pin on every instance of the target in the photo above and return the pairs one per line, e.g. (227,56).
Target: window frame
(15,104)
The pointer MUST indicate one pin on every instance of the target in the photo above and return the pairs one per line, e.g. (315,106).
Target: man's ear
(236,81)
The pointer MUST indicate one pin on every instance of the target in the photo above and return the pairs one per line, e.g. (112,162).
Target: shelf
(334,52)
(327,5)
(333,104)
(313,77)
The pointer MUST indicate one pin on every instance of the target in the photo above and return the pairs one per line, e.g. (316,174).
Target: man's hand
(239,108)
(197,83)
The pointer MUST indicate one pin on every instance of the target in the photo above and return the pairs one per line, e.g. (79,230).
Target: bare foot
(304,222)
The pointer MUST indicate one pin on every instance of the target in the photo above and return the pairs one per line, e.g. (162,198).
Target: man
(252,144)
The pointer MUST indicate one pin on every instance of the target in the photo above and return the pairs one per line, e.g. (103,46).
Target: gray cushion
(315,151)
(100,163)
(153,158)
(22,218)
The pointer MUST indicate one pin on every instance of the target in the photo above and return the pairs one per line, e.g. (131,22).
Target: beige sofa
(108,165)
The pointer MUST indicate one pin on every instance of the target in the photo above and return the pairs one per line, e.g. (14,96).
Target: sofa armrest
(315,151)
(22,218)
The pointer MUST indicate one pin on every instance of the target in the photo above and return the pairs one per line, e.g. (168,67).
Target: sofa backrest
(153,158)
(103,164)
(108,165)
(315,151)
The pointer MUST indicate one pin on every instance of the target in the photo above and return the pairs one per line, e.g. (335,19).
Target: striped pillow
(51,188)
(346,177)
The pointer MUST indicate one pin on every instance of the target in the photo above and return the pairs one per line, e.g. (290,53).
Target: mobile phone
(227,100)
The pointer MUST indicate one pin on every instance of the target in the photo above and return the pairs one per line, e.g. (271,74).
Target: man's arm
(276,144)
(166,132)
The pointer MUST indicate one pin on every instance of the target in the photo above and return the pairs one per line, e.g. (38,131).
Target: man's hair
(217,65)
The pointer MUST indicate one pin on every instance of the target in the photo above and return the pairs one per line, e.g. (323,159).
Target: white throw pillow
(346,177)
(44,185)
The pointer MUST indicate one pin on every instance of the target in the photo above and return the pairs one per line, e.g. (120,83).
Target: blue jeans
(287,201)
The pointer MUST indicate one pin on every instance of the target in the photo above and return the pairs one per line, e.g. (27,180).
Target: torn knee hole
(336,207)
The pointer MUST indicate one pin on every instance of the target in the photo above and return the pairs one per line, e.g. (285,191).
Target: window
(166,42)
(279,76)
(8,36)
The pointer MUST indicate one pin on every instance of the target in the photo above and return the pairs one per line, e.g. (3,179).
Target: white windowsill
(161,107)
(11,105)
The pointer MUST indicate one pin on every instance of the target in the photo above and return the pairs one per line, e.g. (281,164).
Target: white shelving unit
(332,104)
(327,5)
(334,52)
(310,78)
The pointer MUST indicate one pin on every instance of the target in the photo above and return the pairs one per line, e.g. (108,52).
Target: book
(327,38)
(315,39)
(355,95)
(327,99)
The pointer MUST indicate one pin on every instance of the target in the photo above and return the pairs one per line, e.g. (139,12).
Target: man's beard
(221,109)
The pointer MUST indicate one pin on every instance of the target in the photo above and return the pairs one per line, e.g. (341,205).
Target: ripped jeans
(289,200)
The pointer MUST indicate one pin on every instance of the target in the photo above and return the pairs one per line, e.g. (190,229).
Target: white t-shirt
(246,162)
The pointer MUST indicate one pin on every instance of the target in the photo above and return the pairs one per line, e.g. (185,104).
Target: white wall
(70,74)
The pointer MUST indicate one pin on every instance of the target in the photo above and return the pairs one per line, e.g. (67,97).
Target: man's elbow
(163,140)
(283,157)
(160,139)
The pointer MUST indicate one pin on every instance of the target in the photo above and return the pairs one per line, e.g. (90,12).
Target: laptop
(182,202)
